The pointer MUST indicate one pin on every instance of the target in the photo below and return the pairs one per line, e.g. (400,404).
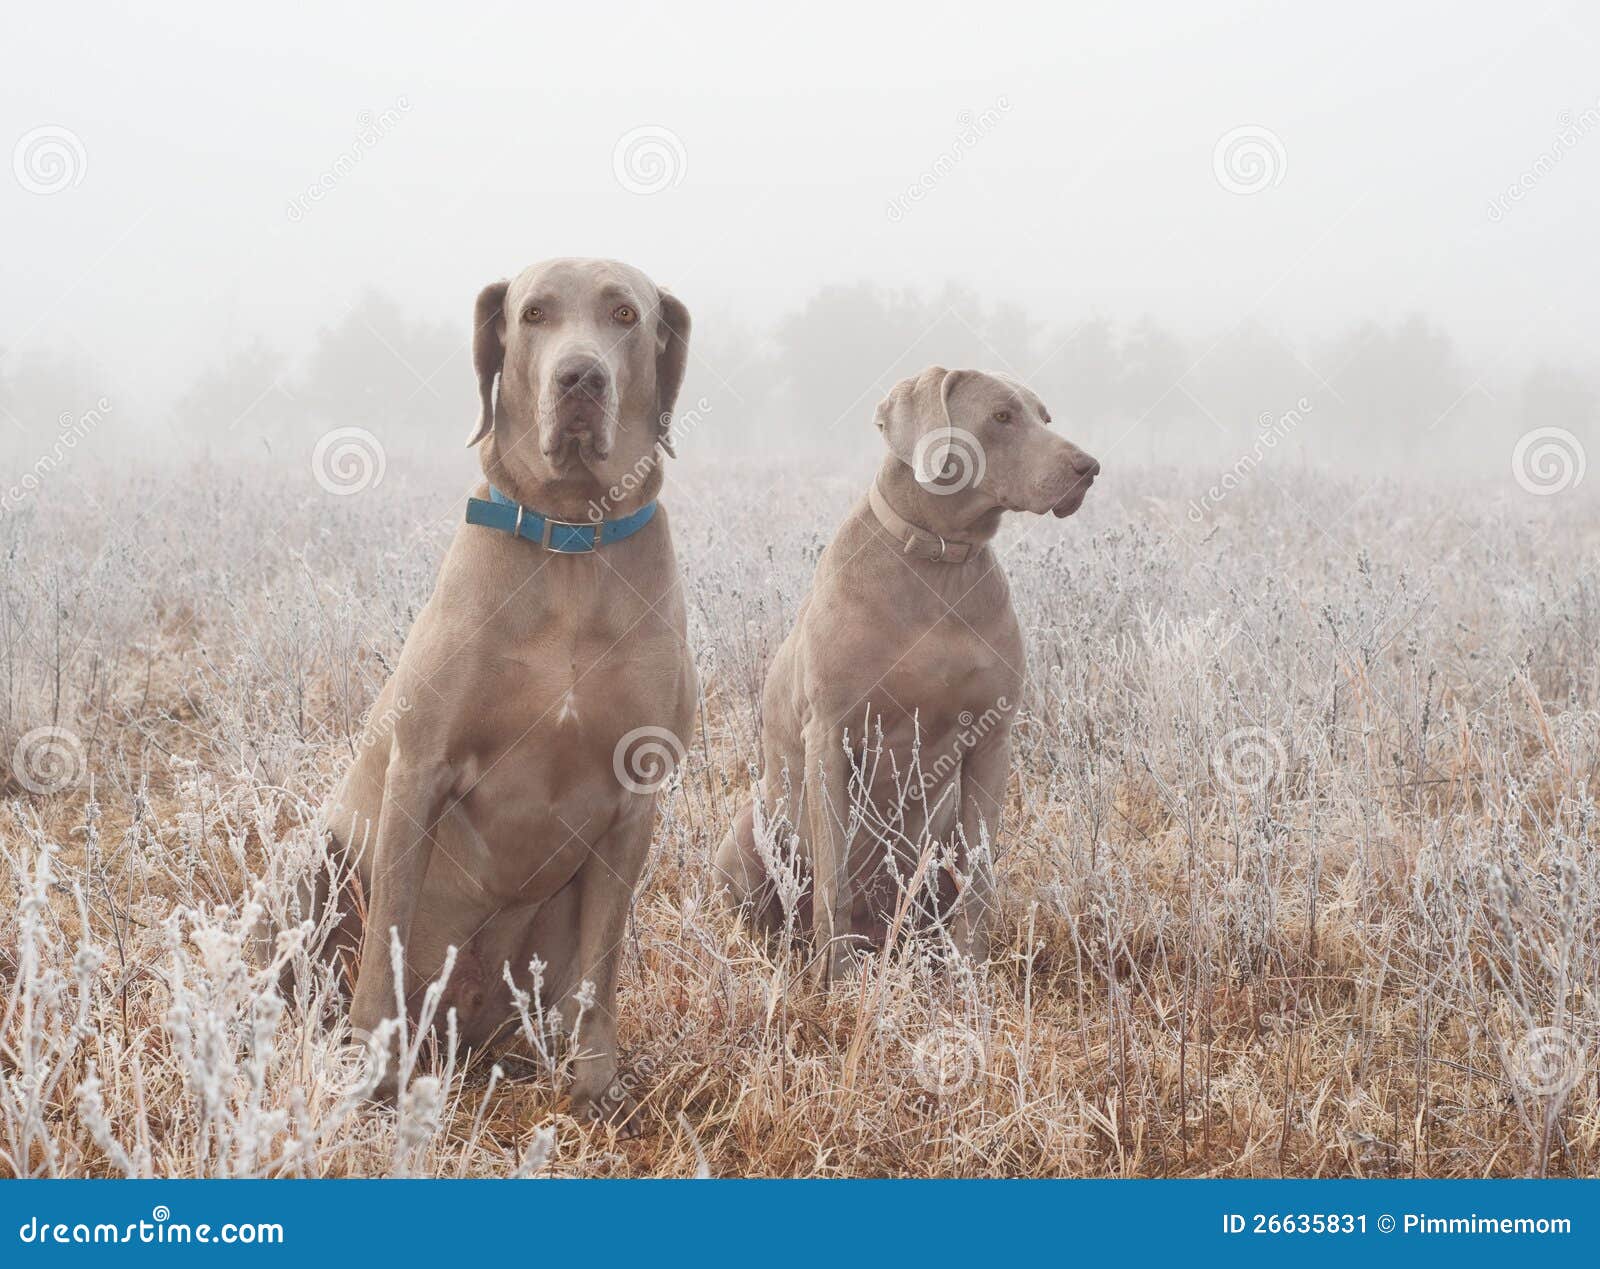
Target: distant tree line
(811,378)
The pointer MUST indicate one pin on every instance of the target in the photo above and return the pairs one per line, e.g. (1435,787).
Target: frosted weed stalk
(171,1052)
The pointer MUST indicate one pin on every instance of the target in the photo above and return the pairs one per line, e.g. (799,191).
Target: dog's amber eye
(533,313)
(625,314)
(1002,416)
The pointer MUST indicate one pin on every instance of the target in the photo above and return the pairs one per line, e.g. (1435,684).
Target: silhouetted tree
(37,390)
(1152,391)
(391,374)
(1397,389)
(246,395)
(1555,396)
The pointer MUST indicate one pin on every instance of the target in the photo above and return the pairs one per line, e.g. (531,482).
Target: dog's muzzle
(580,401)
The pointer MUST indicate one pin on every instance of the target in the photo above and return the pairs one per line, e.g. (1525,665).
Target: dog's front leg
(984,772)
(413,799)
(605,897)
(827,794)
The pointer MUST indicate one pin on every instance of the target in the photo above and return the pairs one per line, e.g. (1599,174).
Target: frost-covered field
(1301,874)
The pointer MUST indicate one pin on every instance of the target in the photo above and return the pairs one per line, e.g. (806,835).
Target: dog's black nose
(585,376)
(1086,466)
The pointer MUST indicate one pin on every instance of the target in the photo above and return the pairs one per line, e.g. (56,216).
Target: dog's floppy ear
(488,351)
(912,413)
(672,360)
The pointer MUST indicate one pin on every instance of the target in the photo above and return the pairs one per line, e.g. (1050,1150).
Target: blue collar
(563,536)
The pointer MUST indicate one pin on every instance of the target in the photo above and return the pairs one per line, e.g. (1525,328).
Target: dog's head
(986,438)
(589,355)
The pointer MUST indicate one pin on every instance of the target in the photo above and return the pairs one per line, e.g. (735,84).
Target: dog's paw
(611,1110)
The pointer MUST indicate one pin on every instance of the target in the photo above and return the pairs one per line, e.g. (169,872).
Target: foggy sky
(1092,192)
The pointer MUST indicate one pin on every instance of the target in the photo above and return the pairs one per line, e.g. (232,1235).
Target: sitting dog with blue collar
(502,800)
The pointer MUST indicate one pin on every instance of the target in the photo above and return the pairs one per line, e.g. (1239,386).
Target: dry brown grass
(1333,971)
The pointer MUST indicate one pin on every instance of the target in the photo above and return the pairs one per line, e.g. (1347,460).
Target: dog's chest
(563,765)
(955,662)
(573,694)
(547,725)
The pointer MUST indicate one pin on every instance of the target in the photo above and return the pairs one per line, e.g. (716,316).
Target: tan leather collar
(918,542)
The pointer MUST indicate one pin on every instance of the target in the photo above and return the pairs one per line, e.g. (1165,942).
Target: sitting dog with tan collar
(887,711)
